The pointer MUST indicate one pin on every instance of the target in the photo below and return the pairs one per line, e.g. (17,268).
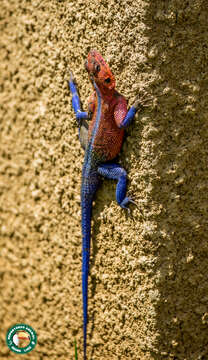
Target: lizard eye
(107,80)
(97,68)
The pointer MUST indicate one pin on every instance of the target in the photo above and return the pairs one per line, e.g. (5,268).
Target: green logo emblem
(21,338)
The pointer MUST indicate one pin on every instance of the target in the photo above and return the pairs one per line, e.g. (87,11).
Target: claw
(142,101)
(133,202)
(71,76)
(125,202)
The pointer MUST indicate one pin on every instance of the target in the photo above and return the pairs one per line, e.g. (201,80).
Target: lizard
(102,140)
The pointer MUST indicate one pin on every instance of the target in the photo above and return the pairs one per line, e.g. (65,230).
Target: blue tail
(86,230)
(89,186)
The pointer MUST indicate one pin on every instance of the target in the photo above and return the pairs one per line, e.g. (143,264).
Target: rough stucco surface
(148,296)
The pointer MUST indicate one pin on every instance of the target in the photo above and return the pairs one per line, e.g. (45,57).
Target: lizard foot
(126,201)
(142,101)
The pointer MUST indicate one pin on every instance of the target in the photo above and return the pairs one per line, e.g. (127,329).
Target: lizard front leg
(123,117)
(81,116)
(75,100)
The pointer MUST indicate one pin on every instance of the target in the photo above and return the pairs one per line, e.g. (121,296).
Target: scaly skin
(102,143)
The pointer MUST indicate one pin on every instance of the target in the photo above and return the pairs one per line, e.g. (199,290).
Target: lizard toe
(126,201)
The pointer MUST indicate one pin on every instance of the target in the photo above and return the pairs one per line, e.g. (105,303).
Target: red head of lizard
(100,72)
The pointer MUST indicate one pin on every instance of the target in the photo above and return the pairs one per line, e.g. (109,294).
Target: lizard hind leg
(116,172)
(83,133)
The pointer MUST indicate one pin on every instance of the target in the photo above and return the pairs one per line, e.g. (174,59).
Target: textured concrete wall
(148,296)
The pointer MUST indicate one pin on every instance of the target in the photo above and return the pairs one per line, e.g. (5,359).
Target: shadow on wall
(178,53)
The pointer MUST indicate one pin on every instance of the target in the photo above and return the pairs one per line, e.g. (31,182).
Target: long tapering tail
(86,230)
